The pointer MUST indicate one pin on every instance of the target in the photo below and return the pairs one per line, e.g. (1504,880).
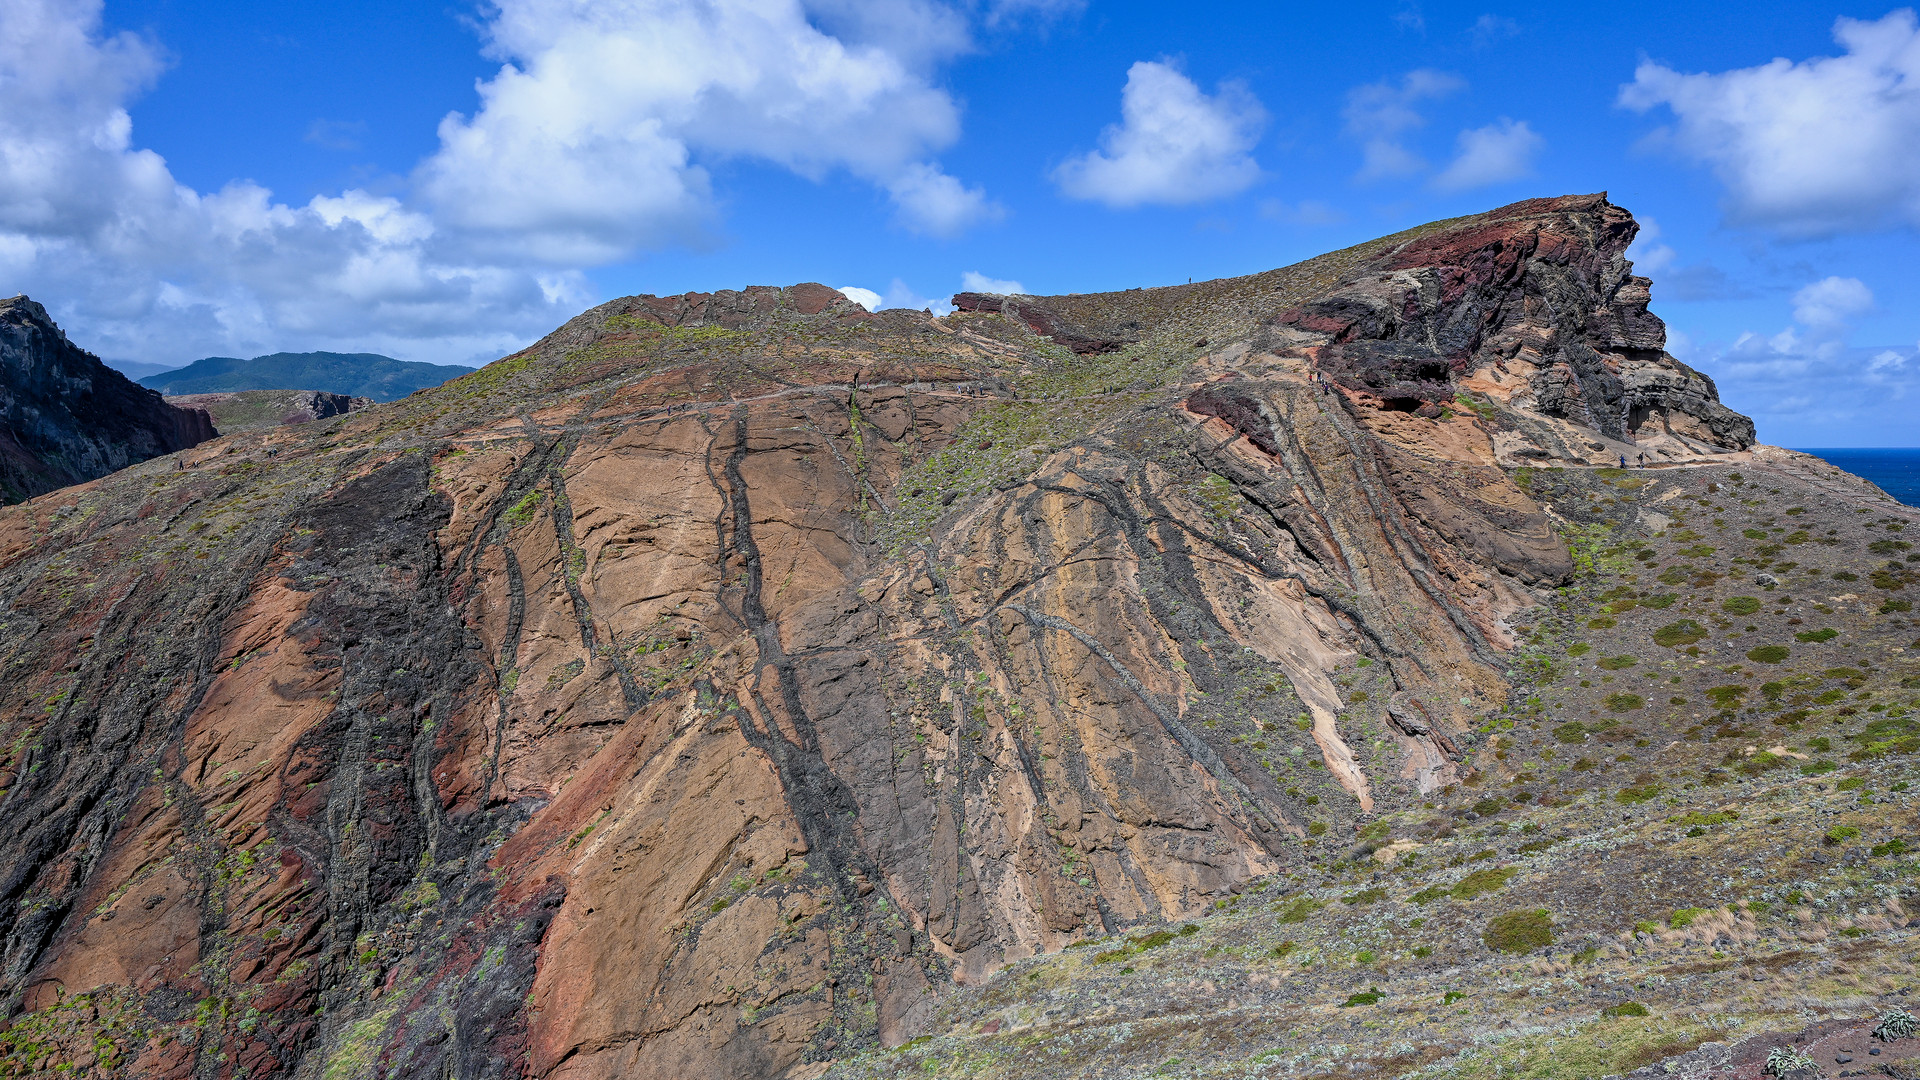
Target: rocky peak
(1533,306)
(66,418)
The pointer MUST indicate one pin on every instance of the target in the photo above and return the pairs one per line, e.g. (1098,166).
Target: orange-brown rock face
(703,690)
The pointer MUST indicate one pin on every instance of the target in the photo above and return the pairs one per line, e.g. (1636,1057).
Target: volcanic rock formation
(66,418)
(709,688)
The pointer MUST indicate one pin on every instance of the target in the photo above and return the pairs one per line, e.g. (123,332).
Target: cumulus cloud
(141,266)
(1494,154)
(1174,144)
(1381,114)
(1811,147)
(1807,384)
(974,281)
(1832,303)
(587,143)
(590,144)
(866,298)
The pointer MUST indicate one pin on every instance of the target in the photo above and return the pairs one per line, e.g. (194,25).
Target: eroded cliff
(708,689)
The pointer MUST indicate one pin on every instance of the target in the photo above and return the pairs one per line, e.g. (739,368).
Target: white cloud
(902,295)
(1494,154)
(1380,114)
(140,266)
(1174,144)
(1832,303)
(1807,385)
(1814,147)
(974,281)
(866,298)
(589,145)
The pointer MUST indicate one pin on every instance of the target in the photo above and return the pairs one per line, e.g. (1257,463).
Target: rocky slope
(247,410)
(65,417)
(742,684)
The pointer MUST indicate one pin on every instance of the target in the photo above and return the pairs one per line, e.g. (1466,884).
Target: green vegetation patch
(1299,909)
(1726,696)
(1365,997)
(1740,605)
(1697,818)
(1135,946)
(1619,663)
(1768,654)
(1624,702)
(1481,882)
(1625,1008)
(1519,931)
(1684,632)
(1762,762)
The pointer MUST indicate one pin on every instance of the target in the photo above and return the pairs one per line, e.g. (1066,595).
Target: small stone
(1841,1059)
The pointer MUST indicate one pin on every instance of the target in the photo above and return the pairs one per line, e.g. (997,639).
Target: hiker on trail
(1643,459)
(1623,461)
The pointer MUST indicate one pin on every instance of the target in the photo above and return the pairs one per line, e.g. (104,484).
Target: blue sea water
(1896,469)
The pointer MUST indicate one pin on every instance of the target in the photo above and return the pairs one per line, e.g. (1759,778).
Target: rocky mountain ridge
(368,375)
(744,684)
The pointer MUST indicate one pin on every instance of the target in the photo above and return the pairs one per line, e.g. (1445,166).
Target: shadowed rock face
(66,418)
(708,688)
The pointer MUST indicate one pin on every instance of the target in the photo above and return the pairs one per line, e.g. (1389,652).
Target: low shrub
(1684,632)
(1812,636)
(1768,654)
(1299,910)
(1619,663)
(1365,997)
(1624,702)
(1625,1008)
(1726,696)
(1519,931)
(1481,882)
(1740,605)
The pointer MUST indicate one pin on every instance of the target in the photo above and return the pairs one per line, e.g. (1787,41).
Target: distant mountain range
(368,375)
(139,369)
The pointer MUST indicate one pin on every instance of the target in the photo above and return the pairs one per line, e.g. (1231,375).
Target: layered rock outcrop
(66,418)
(706,689)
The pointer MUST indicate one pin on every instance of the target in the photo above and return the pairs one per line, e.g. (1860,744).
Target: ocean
(1896,469)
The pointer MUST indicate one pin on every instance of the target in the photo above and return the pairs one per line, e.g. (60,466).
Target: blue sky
(447,181)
